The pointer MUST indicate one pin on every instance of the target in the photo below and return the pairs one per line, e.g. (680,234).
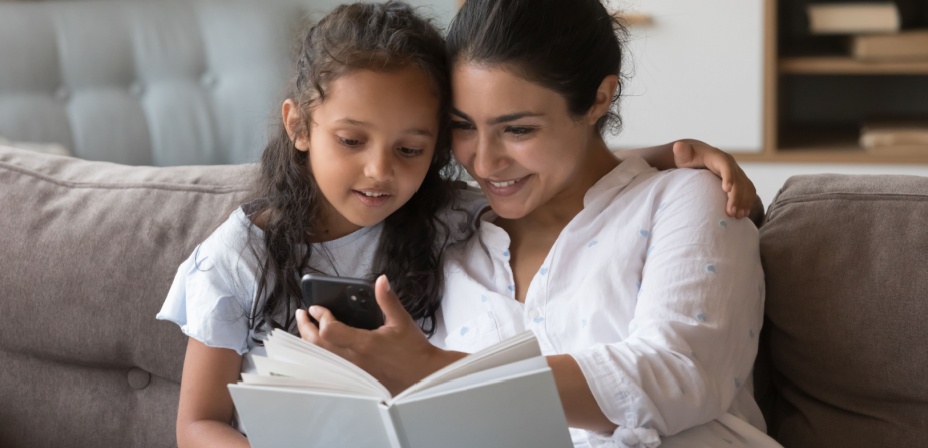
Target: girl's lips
(504,188)
(372,201)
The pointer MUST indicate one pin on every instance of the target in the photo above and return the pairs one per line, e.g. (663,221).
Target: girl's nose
(379,166)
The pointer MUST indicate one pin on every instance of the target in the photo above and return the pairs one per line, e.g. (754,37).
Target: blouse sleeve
(210,298)
(693,337)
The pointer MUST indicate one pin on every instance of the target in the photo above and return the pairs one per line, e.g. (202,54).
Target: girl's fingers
(331,331)
(308,331)
(683,154)
(393,311)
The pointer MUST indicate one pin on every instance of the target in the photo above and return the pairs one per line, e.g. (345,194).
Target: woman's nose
(489,157)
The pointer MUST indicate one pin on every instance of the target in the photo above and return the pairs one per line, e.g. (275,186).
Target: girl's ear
(292,119)
(604,95)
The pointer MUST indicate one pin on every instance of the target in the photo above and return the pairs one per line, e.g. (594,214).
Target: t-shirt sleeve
(693,337)
(212,294)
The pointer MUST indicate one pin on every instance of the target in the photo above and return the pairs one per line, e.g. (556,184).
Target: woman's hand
(398,354)
(742,195)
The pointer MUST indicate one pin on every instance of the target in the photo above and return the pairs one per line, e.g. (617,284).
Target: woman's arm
(204,414)
(689,153)
(578,401)
(693,336)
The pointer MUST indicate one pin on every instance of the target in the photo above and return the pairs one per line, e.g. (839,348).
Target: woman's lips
(504,188)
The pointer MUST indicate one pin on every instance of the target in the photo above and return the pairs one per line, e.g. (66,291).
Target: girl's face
(370,144)
(519,141)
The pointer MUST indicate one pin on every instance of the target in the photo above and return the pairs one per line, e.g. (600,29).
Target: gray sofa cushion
(89,250)
(172,82)
(846,263)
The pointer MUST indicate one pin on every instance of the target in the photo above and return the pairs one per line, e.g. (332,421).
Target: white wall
(441,10)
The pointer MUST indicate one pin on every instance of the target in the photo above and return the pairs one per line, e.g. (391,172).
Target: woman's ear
(292,119)
(604,95)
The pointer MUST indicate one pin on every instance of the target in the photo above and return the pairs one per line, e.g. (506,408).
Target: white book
(853,18)
(303,395)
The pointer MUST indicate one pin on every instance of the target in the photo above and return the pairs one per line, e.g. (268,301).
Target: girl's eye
(519,130)
(410,152)
(349,141)
(462,125)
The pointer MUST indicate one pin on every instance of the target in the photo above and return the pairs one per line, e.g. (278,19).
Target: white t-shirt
(214,290)
(656,293)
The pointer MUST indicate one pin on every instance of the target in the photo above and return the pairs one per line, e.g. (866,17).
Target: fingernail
(314,310)
(387,281)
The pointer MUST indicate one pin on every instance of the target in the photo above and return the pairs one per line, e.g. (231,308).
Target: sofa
(89,250)
(154,82)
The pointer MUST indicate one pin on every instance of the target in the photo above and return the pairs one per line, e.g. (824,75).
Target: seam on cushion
(816,197)
(154,185)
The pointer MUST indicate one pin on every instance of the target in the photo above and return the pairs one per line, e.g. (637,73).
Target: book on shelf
(853,18)
(895,137)
(903,46)
(303,395)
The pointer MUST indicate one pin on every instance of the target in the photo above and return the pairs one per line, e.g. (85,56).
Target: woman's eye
(349,141)
(462,125)
(519,130)
(410,152)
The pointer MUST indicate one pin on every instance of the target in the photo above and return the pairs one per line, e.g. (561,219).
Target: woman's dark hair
(568,46)
(287,200)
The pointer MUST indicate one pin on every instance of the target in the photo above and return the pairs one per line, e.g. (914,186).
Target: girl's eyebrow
(501,118)
(364,124)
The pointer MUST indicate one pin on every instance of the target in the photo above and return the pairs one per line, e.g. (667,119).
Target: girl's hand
(742,195)
(398,354)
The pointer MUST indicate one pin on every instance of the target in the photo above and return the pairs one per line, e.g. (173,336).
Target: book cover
(904,46)
(895,137)
(853,18)
(303,395)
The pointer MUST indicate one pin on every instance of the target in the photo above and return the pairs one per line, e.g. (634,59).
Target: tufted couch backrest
(146,83)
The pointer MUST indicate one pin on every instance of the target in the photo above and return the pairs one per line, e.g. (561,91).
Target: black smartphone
(351,300)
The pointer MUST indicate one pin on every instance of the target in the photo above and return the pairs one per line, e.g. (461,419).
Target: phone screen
(350,300)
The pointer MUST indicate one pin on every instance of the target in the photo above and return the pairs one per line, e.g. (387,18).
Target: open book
(303,395)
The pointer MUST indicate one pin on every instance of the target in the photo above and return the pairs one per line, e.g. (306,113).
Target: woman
(644,296)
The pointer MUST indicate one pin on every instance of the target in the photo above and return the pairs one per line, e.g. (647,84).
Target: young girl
(645,298)
(351,185)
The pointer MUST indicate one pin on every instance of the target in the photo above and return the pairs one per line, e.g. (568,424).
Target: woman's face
(519,141)
(371,143)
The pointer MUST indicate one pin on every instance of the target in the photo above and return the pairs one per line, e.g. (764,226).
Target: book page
(517,348)
(293,357)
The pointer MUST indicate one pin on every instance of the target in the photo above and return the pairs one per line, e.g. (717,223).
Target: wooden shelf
(840,65)
(824,156)
(827,144)
(794,112)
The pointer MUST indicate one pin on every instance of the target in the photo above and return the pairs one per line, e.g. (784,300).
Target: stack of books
(877,32)
(898,137)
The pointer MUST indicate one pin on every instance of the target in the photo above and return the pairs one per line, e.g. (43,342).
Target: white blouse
(655,292)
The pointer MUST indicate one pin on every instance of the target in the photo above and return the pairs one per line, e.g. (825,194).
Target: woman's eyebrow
(499,119)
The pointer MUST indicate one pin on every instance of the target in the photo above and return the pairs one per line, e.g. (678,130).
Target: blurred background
(789,86)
